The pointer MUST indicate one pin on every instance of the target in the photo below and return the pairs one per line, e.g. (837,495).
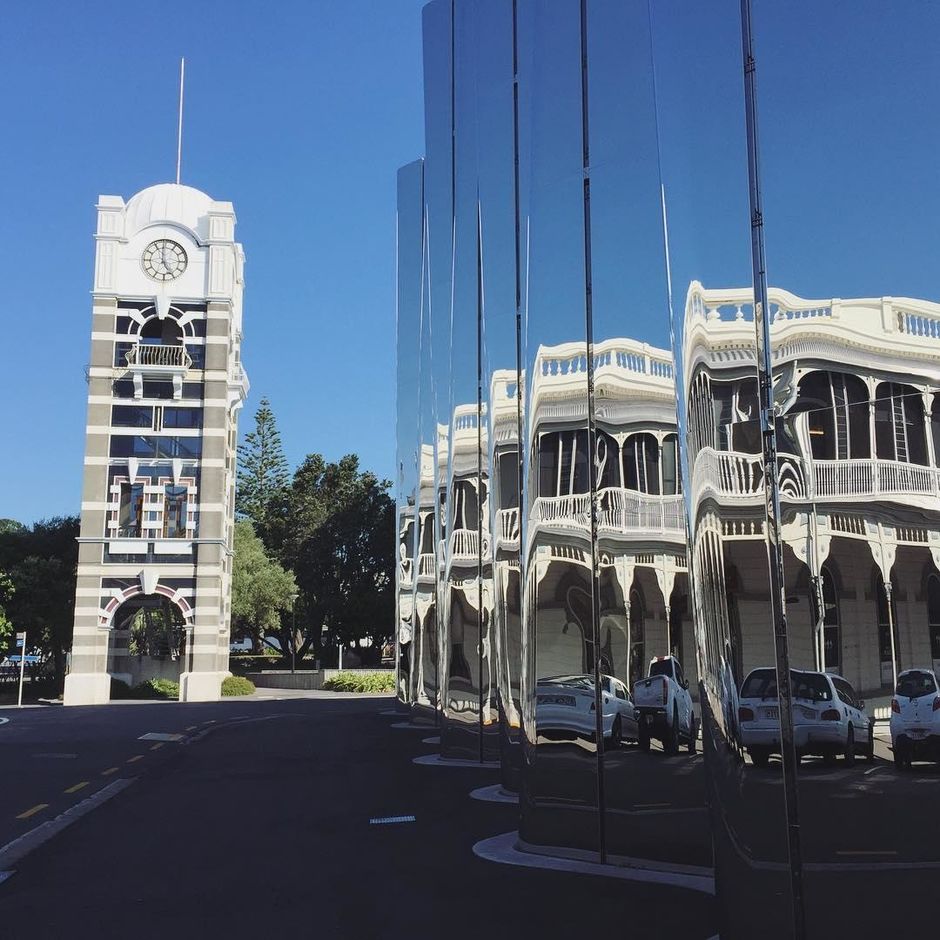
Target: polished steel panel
(410,247)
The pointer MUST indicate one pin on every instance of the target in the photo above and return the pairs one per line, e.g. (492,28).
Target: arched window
(899,423)
(165,332)
(637,638)
(836,404)
(933,615)
(672,478)
(608,461)
(641,464)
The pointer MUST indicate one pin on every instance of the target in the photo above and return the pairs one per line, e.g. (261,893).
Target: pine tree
(263,474)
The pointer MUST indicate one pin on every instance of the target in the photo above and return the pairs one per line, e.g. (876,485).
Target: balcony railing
(738,476)
(619,512)
(149,355)
(464,543)
(426,566)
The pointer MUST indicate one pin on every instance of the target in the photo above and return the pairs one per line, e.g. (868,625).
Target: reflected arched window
(637,638)
(641,464)
(899,423)
(933,615)
(608,461)
(165,332)
(563,463)
(837,409)
(672,480)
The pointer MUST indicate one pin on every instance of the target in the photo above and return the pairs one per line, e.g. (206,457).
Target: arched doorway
(637,638)
(832,633)
(933,618)
(148,640)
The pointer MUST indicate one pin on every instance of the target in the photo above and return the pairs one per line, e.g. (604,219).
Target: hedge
(157,688)
(237,685)
(361,682)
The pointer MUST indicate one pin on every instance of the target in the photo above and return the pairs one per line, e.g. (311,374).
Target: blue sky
(300,113)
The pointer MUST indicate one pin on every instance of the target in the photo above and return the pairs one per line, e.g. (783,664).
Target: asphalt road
(257,823)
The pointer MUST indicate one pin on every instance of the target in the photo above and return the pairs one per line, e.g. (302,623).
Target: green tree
(6,625)
(261,588)
(339,539)
(41,562)
(263,474)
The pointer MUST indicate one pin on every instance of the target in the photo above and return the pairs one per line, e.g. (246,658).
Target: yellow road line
(77,787)
(156,747)
(32,811)
(110,770)
(131,760)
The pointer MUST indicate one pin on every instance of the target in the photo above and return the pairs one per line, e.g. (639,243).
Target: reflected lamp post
(293,629)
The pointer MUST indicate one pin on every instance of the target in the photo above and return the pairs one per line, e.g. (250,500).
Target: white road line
(389,820)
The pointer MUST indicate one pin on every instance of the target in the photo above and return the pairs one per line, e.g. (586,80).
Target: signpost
(21,646)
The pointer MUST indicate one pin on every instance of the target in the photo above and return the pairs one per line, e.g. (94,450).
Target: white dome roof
(168,202)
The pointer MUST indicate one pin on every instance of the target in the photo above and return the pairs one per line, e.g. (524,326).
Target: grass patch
(237,685)
(361,682)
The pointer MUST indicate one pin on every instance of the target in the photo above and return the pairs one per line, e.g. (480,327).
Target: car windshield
(762,683)
(916,684)
(661,667)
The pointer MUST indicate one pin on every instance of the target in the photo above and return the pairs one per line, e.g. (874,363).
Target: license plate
(917,732)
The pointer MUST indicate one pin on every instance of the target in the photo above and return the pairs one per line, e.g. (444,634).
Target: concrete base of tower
(201,686)
(87,688)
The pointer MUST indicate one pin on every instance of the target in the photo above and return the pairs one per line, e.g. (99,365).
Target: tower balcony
(155,359)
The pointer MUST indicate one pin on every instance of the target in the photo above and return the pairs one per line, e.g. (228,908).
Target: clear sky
(300,113)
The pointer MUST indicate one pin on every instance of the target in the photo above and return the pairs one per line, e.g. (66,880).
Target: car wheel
(870,750)
(616,736)
(643,736)
(759,756)
(693,735)
(671,744)
(901,760)
(850,747)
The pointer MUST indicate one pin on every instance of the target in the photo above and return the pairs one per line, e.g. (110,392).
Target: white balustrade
(146,354)
(918,324)
(508,520)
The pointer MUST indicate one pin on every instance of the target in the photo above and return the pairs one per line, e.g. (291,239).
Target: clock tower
(165,385)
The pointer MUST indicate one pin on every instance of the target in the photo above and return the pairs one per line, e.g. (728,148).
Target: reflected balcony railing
(427,567)
(619,512)
(464,544)
(147,355)
(739,477)
(508,526)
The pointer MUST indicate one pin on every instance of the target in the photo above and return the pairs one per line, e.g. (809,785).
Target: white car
(664,706)
(565,707)
(828,717)
(915,718)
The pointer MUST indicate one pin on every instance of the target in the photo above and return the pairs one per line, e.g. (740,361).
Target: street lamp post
(293,630)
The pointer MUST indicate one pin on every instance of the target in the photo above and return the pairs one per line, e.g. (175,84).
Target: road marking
(160,736)
(650,805)
(211,721)
(3,721)
(191,727)
(57,756)
(77,787)
(156,747)
(110,770)
(32,811)
(131,760)
(386,820)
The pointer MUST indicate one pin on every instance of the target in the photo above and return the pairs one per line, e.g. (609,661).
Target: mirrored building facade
(642,479)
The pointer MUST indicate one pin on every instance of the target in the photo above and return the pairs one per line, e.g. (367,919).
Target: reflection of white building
(856,384)
(638,508)
(165,387)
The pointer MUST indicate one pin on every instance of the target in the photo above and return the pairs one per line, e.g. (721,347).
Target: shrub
(361,682)
(157,688)
(237,685)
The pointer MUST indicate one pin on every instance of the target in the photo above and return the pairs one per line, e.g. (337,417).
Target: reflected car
(915,718)
(664,706)
(828,717)
(565,708)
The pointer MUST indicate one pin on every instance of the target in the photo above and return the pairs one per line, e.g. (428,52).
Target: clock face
(163,260)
